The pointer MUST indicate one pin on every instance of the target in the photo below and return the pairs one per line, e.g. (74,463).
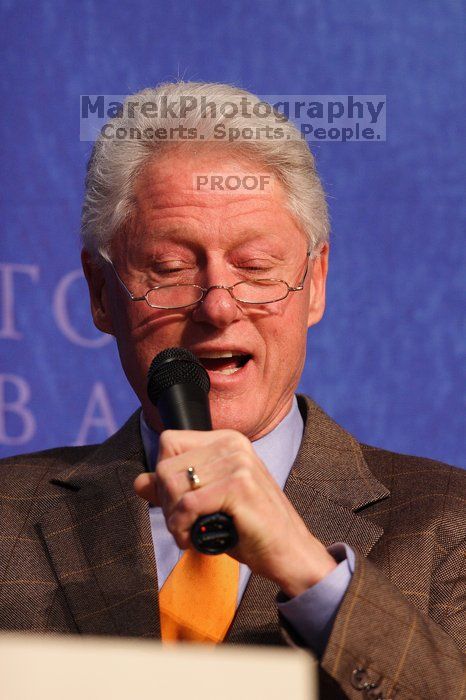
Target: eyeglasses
(181,295)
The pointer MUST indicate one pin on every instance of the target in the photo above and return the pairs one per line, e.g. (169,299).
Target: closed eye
(257,271)
(261,266)
(171,270)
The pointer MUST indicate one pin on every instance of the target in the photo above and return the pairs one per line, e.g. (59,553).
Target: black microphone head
(175,366)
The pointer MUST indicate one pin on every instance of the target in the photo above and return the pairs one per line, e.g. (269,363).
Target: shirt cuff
(312,613)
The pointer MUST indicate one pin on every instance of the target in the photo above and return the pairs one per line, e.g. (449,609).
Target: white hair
(115,163)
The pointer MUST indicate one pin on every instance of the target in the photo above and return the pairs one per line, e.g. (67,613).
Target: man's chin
(240,414)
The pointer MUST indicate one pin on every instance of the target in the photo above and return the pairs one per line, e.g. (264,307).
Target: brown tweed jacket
(76,556)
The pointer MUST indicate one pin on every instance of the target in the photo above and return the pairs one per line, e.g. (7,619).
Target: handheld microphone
(178,385)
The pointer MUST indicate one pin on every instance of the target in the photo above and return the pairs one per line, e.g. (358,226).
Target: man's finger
(176,442)
(145,486)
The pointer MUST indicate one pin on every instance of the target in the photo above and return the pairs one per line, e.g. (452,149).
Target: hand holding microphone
(238,506)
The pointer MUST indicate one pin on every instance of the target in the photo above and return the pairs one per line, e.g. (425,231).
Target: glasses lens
(174,296)
(260,291)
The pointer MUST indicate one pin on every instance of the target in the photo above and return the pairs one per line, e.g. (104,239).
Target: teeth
(214,355)
(223,354)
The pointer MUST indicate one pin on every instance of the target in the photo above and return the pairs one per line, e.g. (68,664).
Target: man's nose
(218,308)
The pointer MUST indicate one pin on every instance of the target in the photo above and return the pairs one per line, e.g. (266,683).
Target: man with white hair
(205,227)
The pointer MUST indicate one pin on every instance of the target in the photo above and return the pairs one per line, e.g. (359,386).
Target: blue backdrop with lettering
(386,360)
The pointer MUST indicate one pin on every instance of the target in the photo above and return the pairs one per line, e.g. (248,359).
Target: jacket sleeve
(383,647)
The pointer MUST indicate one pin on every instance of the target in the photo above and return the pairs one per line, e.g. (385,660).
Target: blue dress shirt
(310,614)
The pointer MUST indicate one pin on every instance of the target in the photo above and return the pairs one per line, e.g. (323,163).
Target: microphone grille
(175,366)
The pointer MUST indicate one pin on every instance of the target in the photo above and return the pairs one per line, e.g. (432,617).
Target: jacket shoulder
(25,472)
(428,494)
(57,455)
(428,473)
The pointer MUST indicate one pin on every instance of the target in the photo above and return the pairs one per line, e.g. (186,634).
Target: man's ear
(98,293)
(317,288)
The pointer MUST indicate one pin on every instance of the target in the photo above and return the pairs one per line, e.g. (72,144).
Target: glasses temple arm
(107,259)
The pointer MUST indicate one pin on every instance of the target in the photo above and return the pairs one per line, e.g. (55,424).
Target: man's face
(210,237)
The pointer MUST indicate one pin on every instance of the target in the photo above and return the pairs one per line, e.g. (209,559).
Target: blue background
(386,361)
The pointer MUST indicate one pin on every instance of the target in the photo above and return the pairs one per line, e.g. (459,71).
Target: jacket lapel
(99,542)
(328,483)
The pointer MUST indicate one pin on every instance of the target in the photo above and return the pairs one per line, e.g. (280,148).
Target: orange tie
(198,600)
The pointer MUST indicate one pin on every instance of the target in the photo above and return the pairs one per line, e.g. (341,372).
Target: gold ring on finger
(193,478)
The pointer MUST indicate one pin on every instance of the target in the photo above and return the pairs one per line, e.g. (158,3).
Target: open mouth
(224,362)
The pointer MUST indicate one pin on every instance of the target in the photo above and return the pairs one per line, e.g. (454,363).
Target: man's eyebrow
(168,233)
(184,234)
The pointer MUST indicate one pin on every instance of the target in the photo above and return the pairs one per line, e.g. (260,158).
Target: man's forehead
(169,210)
(206,178)
(178,214)
(171,201)
(209,187)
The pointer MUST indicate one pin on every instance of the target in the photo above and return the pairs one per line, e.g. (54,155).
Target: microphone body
(178,385)
(184,407)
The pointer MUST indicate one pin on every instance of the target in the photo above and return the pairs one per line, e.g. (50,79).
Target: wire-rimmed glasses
(181,295)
